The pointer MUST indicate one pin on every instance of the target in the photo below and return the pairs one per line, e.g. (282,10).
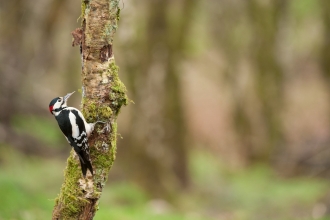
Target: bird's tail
(85,164)
(89,166)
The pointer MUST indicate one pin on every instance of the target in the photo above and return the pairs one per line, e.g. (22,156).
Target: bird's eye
(59,100)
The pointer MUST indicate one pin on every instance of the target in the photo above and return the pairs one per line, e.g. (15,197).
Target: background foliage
(229,116)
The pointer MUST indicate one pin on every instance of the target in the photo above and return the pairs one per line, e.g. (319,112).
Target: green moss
(94,112)
(83,8)
(113,140)
(118,14)
(103,154)
(117,95)
(107,31)
(114,4)
(105,159)
(70,193)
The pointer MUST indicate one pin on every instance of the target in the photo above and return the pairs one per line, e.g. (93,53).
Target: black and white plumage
(75,129)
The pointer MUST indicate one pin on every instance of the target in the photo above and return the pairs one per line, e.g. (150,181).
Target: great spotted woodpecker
(75,129)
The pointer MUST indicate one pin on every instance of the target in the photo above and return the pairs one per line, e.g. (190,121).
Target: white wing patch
(88,127)
(83,134)
(75,128)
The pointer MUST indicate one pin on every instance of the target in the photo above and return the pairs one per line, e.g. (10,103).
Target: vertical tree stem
(103,94)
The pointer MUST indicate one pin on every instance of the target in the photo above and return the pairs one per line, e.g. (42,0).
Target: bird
(75,129)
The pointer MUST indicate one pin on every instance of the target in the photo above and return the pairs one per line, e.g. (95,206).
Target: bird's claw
(106,128)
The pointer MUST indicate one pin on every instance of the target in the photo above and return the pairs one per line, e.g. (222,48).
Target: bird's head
(58,103)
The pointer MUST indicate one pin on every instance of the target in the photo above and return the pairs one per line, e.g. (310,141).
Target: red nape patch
(51,109)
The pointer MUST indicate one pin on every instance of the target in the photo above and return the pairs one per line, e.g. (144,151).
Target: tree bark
(103,94)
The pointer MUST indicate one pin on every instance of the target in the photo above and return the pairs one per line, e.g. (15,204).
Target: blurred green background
(230,119)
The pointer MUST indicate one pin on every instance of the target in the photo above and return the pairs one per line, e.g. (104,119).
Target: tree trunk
(103,94)
(325,51)
(159,150)
(265,21)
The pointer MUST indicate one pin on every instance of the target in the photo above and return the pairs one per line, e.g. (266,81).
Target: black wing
(82,154)
(78,140)
(64,123)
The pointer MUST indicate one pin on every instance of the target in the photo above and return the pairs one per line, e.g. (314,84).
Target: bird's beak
(67,96)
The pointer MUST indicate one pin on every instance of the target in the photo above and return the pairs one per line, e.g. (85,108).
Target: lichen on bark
(103,94)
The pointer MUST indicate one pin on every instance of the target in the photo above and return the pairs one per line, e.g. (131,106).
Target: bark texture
(103,94)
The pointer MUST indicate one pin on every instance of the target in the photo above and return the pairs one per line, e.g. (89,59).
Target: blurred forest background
(231,113)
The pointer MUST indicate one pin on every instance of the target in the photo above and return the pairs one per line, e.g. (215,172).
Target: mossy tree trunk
(103,94)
